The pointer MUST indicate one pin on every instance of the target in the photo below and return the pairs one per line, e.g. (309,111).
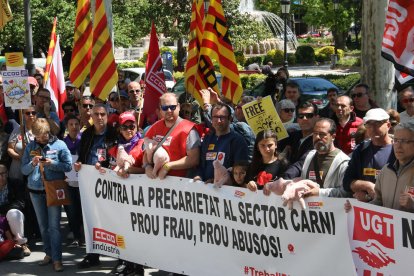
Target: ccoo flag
(104,75)
(216,44)
(80,64)
(154,76)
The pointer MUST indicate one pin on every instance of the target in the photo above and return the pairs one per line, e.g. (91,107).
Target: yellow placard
(261,115)
(14,61)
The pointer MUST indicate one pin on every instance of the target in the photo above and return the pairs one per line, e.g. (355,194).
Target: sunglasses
(359,95)
(410,100)
(28,113)
(134,91)
(288,110)
(306,115)
(125,127)
(68,110)
(87,106)
(166,107)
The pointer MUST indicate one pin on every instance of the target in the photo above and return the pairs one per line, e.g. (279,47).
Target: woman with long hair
(266,164)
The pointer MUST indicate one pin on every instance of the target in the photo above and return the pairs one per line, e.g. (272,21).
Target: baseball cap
(69,84)
(376,114)
(125,117)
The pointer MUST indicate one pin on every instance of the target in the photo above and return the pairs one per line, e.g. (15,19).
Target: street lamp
(334,57)
(285,11)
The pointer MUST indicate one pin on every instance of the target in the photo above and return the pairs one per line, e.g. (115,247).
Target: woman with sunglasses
(130,139)
(15,146)
(287,112)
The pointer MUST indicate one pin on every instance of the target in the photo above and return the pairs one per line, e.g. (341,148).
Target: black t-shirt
(264,173)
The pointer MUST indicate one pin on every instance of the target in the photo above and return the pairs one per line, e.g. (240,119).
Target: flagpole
(29,39)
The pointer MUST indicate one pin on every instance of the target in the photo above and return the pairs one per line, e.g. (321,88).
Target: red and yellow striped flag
(216,44)
(104,75)
(51,50)
(199,73)
(80,64)
(5,13)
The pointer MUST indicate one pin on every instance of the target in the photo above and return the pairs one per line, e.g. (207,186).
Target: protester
(12,204)
(287,112)
(93,150)
(369,157)
(239,172)
(44,110)
(266,165)
(362,101)
(54,156)
(329,110)
(182,143)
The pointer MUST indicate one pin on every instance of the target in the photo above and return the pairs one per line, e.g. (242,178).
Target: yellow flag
(5,12)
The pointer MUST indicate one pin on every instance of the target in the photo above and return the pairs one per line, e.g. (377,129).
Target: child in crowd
(239,172)
(266,164)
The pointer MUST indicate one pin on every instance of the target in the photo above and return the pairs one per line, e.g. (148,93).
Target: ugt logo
(376,230)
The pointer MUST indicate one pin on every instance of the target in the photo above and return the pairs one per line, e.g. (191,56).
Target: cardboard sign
(262,115)
(16,89)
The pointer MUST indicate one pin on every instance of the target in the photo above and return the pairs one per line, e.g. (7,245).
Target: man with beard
(370,157)
(347,124)
(326,165)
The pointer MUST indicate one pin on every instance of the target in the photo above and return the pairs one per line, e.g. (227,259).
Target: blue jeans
(49,224)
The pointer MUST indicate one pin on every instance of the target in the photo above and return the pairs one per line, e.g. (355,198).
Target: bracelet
(166,167)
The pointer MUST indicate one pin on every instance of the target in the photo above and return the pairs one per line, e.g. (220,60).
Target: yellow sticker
(370,171)
(211,146)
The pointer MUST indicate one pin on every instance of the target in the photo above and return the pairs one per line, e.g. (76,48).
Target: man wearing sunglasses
(85,112)
(362,102)
(347,124)
(136,99)
(406,98)
(182,143)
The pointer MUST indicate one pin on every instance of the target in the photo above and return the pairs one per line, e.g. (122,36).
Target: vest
(175,144)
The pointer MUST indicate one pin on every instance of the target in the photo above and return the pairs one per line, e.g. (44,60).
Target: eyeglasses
(288,110)
(102,114)
(410,100)
(46,98)
(402,141)
(359,95)
(166,107)
(87,106)
(125,127)
(221,118)
(320,134)
(134,91)
(306,115)
(68,110)
(28,113)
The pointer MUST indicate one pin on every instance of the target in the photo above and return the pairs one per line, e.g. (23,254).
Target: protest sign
(16,89)
(261,115)
(14,61)
(197,229)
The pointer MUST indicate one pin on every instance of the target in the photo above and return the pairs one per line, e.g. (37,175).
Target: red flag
(398,38)
(56,80)
(154,76)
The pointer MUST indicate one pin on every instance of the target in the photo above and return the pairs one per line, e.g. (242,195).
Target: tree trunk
(180,55)
(376,72)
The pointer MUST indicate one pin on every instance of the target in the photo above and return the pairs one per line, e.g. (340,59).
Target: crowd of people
(350,148)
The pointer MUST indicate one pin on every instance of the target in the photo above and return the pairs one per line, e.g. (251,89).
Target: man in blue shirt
(223,144)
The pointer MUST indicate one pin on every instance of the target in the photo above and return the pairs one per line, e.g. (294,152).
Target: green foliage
(343,82)
(134,64)
(324,53)
(305,55)
(291,59)
(251,80)
(350,62)
(275,56)
(178,75)
(256,59)
(240,58)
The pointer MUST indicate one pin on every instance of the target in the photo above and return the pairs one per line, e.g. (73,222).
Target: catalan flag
(104,75)
(51,50)
(199,73)
(5,13)
(80,64)
(216,44)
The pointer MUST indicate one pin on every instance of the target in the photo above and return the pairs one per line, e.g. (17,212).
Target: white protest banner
(381,240)
(197,229)
(16,89)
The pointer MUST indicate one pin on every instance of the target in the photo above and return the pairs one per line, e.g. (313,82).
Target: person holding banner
(266,165)
(56,160)
(95,142)
(178,137)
